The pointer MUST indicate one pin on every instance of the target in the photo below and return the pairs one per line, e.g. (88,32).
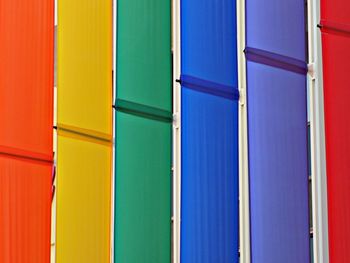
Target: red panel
(336,69)
(26,117)
(336,11)
(26,74)
(25,211)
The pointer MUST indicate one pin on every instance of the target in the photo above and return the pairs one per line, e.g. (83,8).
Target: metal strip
(317,135)
(209,87)
(275,60)
(176,180)
(244,211)
(83,134)
(143,111)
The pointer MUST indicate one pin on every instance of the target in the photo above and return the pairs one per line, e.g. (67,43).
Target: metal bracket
(241,97)
(311,69)
(176,120)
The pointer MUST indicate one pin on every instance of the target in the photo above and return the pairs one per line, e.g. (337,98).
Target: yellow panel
(84,121)
(85,64)
(83,201)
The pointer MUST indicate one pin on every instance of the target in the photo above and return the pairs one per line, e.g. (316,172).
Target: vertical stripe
(26,116)
(335,22)
(277,131)
(143,132)
(84,130)
(209,123)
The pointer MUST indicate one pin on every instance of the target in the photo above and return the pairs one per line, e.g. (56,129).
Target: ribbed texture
(277,131)
(26,117)
(209,197)
(144,62)
(84,120)
(143,132)
(335,20)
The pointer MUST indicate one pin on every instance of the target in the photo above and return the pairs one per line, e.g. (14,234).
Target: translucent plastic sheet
(84,201)
(143,177)
(209,198)
(335,24)
(143,132)
(278,165)
(277,131)
(84,131)
(144,52)
(26,117)
(209,178)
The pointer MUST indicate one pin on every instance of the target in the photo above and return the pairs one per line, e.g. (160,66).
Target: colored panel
(277,131)
(143,132)
(84,130)
(26,117)
(83,205)
(144,52)
(143,199)
(336,11)
(209,179)
(208,40)
(209,195)
(85,64)
(25,211)
(278,165)
(277,26)
(26,75)
(336,63)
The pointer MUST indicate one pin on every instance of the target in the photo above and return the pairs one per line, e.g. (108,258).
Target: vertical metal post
(114,95)
(244,218)
(176,50)
(317,134)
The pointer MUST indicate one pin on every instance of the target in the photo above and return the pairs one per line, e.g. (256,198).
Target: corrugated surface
(26,105)
(144,52)
(143,178)
(209,207)
(83,204)
(143,132)
(335,20)
(277,131)
(84,130)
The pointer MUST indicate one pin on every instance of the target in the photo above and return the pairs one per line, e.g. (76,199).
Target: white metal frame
(114,89)
(317,134)
(54,201)
(176,49)
(244,217)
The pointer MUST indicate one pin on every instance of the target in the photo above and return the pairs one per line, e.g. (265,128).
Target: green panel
(144,52)
(143,184)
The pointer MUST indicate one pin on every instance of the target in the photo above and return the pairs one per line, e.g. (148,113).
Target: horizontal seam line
(210,88)
(83,134)
(334,29)
(131,108)
(276,60)
(26,157)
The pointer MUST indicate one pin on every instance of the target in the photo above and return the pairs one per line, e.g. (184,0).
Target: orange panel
(26,117)
(25,211)
(26,74)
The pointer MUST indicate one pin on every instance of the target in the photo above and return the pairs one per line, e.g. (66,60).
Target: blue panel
(209,179)
(209,215)
(277,26)
(208,40)
(278,166)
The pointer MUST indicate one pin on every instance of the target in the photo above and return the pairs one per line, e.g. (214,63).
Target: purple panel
(277,26)
(277,122)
